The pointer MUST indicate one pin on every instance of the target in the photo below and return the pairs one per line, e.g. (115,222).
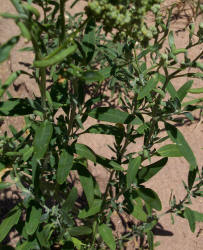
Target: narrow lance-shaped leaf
(177,137)
(92,76)
(18,6)
(150,239)
(107,236)
(95,209)
(149,171)
(88,42)
(44,235)
(150,197)
(132,170)
(41,143)
(171,41)
(64,166)
(87,182)
(80,230)
(16,107)
(70,201)
(170,150)
(103,129)
(151,84)
(171,90)
(85,152)
(33,220)
(138,211)
(57,58)
(198,216)
(9,222)
(111,115)
(188,214)
(5,49)
(196,91)
(8,82)
(191,177)
(42,138)
(182,92)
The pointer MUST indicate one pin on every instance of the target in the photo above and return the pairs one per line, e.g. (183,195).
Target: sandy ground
(171,237)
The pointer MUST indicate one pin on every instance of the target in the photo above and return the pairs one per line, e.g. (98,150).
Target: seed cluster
(126,17)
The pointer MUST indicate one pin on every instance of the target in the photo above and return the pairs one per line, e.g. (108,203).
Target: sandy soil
(171,237)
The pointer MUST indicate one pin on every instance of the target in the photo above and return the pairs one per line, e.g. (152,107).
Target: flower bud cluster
(125,17)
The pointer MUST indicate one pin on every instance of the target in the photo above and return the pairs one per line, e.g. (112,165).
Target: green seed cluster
(125,17)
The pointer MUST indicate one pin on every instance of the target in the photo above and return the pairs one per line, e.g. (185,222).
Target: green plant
(45,160)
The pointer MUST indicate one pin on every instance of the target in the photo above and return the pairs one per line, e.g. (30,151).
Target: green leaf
(149,171)
(77,243)
(28,245)
(57,58)
(107,236)
(138,212)
(13,16)
(87,182)
(177,137)
(9,222)
(96,208)
(170,150)
(103,129)
(116,166)
(5,48)
(171,41)
(44,235)
(18,6)
(179,51)
(88,42)
(182,92)
(132,170)
(151,84)
(111,115)
(196,91)
(92,76)
(8,82)
(85,152)
(150,240)
(198,216)
(195,101)
(16,107)
(4,185)
(42,138)
(150,197)
(70,201)
(171,90)
(191,177)
(188,214)
(64,166)
(33,220)
(79,231)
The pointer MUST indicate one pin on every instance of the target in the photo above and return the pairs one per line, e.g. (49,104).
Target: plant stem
(95,224)
(42,77)
(62,21)
(155,108)
(74,106)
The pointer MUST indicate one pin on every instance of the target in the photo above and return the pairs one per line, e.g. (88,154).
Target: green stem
(95,224)
(42,76)
(107,189)
(155,108)
(62,21)
(74,106)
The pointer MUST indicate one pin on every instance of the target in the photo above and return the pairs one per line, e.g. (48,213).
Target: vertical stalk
(42,77)
(62,21)
(42,73)
(155,107)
